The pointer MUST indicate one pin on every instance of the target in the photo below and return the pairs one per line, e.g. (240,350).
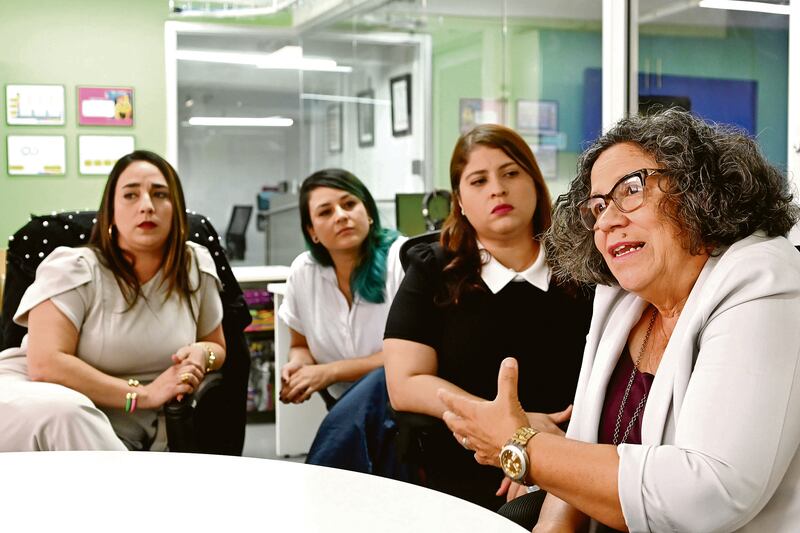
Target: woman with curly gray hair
(688,403)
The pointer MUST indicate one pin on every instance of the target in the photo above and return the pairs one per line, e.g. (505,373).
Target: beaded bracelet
(130,402)
(133,382)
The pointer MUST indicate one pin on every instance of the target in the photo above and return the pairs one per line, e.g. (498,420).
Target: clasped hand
(299,381)
(181,378)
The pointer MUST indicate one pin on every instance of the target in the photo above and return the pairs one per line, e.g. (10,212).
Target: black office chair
(235,242)
(412,428)
(213,419)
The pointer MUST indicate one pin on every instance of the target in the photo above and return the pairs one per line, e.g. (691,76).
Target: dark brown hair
(459,239)
(176,258)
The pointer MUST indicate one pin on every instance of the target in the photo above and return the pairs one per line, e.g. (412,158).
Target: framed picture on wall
(474,111)
(366,117)
(537,116)
(37,155)
(547,158)
(333,127)
(97,154)
(400,91)
(35,105)
(105,106)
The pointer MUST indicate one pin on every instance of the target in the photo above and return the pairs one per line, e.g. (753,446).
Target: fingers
(504,485)
(297,389)
(561,416)
(507,379)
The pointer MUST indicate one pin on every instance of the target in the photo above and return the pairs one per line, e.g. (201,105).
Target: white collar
(496,275)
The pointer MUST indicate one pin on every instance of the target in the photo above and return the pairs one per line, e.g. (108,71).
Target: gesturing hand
(487,425)
(305,381)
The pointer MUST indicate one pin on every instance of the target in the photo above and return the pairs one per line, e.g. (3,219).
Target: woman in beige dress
(116,329)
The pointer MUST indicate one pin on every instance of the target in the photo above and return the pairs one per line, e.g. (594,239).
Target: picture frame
(333,128)
(538,117)
(36,155)
(35,105)
(365,112)
(105,106)
(547,159)
(400,92)
(475,111)
(97,154)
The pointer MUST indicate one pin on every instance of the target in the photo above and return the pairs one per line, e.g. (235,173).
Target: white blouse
(315,307)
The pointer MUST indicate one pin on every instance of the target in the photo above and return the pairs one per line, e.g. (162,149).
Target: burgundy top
(614,393)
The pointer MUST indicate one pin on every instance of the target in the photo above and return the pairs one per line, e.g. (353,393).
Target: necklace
(616,440)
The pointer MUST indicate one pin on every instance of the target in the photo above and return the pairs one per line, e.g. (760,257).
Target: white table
(154,492)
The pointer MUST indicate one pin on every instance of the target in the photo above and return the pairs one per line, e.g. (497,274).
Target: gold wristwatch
(514,456)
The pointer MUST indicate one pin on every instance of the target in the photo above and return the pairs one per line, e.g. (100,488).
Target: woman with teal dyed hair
(337,299)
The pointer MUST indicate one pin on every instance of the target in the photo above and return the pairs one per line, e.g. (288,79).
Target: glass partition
(726,66)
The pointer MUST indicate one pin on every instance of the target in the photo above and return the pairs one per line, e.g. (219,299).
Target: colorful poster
(97,154)
(105,106)
(36,155)
(35,105)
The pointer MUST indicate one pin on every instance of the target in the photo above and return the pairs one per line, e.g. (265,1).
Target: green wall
(71,43)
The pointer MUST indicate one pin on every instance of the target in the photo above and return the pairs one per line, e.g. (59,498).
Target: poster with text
(105,106)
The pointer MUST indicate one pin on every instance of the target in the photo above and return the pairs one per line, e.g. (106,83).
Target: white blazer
(721,427)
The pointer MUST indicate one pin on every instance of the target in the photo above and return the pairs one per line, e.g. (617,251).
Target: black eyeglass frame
(642,174)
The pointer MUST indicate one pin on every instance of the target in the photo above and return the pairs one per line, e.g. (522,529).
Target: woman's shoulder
(758,260)
(81,259)
(428,256)
(205,262)
(304,263)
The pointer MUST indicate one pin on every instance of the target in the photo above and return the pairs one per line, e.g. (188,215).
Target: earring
(370,221)
(110,231)
(462,211)
(315,239)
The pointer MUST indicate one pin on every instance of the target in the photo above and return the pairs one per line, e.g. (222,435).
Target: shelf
(259,328)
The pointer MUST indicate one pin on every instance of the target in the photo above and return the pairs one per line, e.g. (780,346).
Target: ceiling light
(241,121)
(287,58)
(742,5)
(217,9)
(346,99)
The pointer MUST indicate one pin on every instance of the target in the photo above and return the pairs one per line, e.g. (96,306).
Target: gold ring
(465,442)
(185,378)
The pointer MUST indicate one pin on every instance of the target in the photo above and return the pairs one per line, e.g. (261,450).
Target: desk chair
(235,243)
(413,427)
(213,419)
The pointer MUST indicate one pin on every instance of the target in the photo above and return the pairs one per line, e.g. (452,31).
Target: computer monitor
(237,227)
(409,211)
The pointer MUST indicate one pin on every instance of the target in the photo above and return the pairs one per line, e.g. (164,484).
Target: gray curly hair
(718,189)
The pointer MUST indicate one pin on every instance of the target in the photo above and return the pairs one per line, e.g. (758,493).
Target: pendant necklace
(616,440)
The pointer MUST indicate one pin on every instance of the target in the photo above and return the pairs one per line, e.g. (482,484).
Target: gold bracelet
(211,357)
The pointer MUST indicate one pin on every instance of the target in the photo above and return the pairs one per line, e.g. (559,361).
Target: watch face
(512,462)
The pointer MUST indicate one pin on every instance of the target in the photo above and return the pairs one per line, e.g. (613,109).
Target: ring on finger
(185,377)
(465,442)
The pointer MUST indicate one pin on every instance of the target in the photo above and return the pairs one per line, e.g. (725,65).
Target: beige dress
(135,343)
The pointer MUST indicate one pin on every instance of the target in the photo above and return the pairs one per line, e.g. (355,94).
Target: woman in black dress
(479,295)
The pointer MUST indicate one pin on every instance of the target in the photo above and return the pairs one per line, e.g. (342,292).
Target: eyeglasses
(627,194)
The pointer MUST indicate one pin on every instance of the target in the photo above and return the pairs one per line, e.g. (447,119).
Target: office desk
(146,492)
